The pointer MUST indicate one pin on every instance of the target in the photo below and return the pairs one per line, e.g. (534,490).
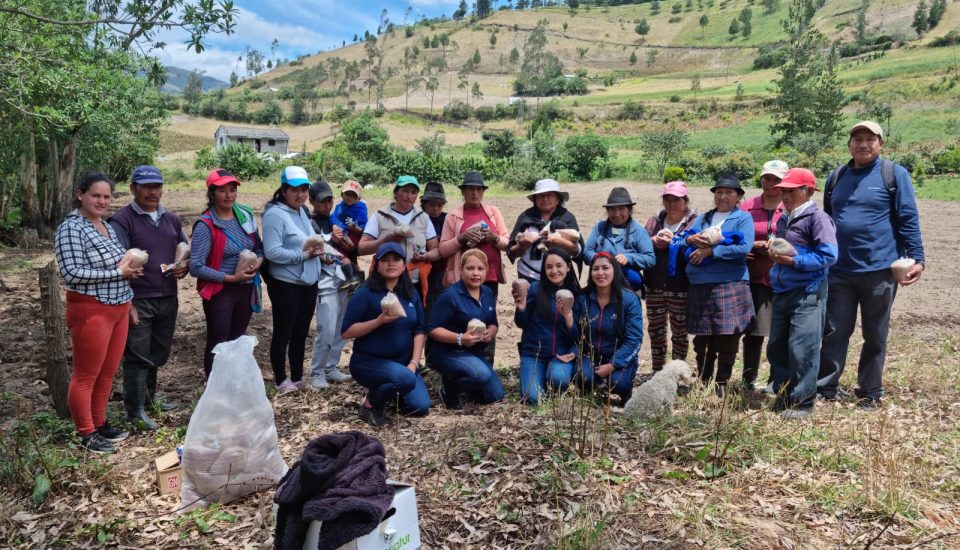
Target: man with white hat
(872,202)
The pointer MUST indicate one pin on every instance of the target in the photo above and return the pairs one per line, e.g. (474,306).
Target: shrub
(205,159)
(456,110)
(713,151)
(952,38)
(631,111)
(338,113)
(770,57)
(485,113)
(367,172)
(947,160)
(243,161)
(365,138)
(740,163)
(673,173)
(582,154)
(674,99)
(523,174)
(499,144)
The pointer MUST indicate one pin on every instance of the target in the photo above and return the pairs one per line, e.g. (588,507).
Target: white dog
(656,396)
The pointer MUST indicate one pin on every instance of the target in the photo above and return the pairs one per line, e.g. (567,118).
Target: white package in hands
(246,259)
(313,241)
(135,257)
(713,235)
(230,449)
(901,268)
(181,255)
(476,327)
(565,298)
(781,247)
(390,305)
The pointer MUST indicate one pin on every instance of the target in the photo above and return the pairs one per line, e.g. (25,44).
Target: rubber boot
(152,402)
(333,374)
(134,397)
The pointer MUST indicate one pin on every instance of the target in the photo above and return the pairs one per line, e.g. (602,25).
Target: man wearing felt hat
(872,202)
(147,225)
(625,239)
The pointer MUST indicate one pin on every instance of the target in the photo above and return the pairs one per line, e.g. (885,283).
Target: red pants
(99,334)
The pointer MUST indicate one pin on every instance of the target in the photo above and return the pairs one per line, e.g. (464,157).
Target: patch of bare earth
(568,474)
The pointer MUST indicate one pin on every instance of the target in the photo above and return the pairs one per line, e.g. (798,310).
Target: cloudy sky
(301,27)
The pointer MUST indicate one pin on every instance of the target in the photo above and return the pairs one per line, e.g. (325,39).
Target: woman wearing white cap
(526,236)
(766,210)
(294,272)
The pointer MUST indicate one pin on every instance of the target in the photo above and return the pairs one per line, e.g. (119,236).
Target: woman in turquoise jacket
(720,307)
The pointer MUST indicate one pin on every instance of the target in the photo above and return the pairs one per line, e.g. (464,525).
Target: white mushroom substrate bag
(230,449)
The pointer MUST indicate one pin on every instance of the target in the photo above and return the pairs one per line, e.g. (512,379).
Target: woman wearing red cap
(223,232)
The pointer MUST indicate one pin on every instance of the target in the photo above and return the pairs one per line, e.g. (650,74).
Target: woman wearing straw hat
(527,235)
(625,239)
(719,304)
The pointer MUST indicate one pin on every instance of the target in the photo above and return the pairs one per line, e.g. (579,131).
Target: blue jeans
(873,293)
(620,381)
(793,349)
(387,380)
(464,372)
(537,374)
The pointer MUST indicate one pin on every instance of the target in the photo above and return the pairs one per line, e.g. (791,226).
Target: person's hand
(337,233)
(471,237)
(181,272)
(487,336)
(315,252)
(385,318)
(604,370)
(566,357)
(554,238)
(913,275)
(396,237)
(517,301)
(412,366)
(700,254)
(128,272)
(761,248)
(782,259)
(563,309)
(469,339)
(242,276)
(134,316)
(621,259)
(490,237)
(661,243)
(328,259)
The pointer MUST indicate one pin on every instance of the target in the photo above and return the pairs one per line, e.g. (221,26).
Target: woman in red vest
(223,232)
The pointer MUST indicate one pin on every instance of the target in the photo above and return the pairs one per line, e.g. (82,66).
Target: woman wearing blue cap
(388,345)
(294,272)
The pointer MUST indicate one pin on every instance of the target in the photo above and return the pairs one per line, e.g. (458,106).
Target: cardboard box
(169,474)
(400,531)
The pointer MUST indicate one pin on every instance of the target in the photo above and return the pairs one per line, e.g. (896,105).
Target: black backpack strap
(831,182)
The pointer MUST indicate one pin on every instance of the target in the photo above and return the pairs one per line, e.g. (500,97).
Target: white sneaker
(319,382)
(286,386)
(334,375)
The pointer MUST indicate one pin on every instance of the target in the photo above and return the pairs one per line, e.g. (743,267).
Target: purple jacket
(814,236)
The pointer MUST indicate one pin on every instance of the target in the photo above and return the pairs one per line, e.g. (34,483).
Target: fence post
(55,338)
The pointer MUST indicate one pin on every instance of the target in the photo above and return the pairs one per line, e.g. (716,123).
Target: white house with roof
(263,140)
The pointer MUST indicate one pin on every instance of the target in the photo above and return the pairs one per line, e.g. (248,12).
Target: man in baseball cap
(147,225)
(871,200)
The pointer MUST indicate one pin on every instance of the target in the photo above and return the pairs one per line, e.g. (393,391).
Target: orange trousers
(99,335)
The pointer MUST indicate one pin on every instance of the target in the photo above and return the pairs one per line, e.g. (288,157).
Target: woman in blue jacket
(294,272)
(458,353)
(719,303)
(613,326)
(388,348)
(548,344)
(626,240)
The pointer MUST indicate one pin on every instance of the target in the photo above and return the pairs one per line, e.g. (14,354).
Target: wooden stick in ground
(57,360)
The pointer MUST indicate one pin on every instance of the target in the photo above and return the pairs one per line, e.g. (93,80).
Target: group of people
(430,297)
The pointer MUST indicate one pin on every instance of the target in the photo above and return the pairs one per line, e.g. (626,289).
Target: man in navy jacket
(877,223)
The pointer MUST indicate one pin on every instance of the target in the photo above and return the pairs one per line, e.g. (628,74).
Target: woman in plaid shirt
(92,263)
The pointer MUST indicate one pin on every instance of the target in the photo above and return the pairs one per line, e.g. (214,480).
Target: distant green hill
(177,79)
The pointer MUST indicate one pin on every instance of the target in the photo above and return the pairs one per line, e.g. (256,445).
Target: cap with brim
(675,188)
(320,190)
(294,176)
(219,176)
(775,168)
(352,186)
(473,179)
(389,248)
(433,191)
(146,175)
(869,126)
(619,196)
(548,186)
(404,181)
(729,181)
(798,177)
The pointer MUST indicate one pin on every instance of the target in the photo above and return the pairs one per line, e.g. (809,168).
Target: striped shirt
(88,260)
(237,241)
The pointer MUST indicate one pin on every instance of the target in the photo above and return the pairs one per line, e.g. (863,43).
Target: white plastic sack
(230,449)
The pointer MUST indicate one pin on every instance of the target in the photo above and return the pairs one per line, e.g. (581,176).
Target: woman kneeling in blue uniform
(460,341)
(548,345)
(613,321)
(389,345)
